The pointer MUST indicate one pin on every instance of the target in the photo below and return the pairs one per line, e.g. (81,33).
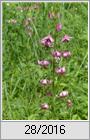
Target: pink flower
(61,70)
(44,106)
(43,63)
(45,82)
(56,54)
(58,27)
(69,103)
(66,38)
(47,41)
(66,54)
(63,94)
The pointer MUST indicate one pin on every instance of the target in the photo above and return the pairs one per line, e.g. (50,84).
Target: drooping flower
(47,41)
(12,21)
(27,21)
(58,15)
(66,54)
(66,38)
(43,63)
(45,82)
(69,103)
(44,106)
(63,94)
(58,27)
(49,94)
(60,70)
(29,30)
(56,54)
(51,15)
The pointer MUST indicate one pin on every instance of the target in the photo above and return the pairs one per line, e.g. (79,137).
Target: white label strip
(44,130)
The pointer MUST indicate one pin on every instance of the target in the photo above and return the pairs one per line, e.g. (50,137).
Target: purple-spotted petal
(56,54)
(43,63)
(47,41)
(66,38)
(61,70)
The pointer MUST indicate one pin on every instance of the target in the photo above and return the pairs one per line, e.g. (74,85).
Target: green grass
(22,92)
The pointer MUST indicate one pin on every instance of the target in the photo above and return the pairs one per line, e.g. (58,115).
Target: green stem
(53,85)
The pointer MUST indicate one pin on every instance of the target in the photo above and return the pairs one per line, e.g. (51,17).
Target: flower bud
(58,27)
(69,103)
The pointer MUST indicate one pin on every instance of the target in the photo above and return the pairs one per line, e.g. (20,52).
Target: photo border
(9,1)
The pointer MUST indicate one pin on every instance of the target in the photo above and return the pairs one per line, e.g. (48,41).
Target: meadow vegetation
(24,26)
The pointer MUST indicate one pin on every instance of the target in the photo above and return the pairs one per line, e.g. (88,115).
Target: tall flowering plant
(47,42)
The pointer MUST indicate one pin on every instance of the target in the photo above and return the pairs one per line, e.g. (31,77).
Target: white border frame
(2,59)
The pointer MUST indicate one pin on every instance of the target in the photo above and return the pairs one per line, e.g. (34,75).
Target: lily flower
(43,63)
(45,82)
(63,94)
(60,70)
(47,41)
(66,54)
(56,54)
(66,38)
(44,106)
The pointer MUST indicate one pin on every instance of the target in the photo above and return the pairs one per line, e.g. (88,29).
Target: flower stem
(53,67)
